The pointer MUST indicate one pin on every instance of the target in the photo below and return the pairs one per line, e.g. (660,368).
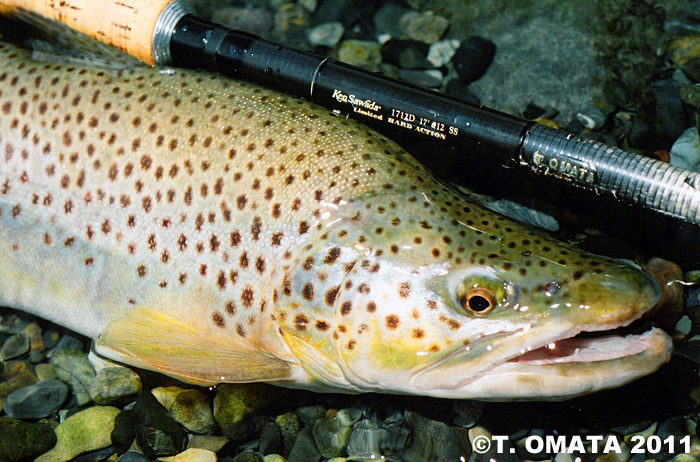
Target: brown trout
(218,232)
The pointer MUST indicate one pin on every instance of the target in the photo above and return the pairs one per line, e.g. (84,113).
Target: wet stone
(360,53)
(289,426)
(97,455)
(258,21)
(472,58)
(310,414)
(433,440)
(86,431)
(66,342)
(248,456)
(192,455)
(370,436)
(36,401)
(74,368)
(327,34)
(675,428)
(274,458)
(157,434)
(332,433)
(191,408)
(50,338)
(21,379)
(114,384)
(468,412)
(133,456)
(388,18)
(685,152)
(304,448)
(407,54)
(211,443)
(271,440)
(420,78)
(14,347)
(234,402)
(664,111)
(22,440)
(441,53)
(424,27)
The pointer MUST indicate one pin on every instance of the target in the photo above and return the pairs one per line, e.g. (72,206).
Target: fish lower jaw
(593,365)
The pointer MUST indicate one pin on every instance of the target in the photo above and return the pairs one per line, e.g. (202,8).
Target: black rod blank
(370,97)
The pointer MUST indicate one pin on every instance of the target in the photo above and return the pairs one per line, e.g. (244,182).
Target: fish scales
(184,220)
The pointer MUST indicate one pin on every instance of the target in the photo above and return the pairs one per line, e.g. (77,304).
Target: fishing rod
(165,32)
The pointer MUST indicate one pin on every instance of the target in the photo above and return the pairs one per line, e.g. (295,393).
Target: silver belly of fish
(218,232)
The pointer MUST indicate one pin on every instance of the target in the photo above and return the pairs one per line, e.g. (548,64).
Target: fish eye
(478,300)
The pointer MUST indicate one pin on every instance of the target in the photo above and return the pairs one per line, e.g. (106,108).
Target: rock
(289,426)
(441,53)
(114,384)
(67,342)
(88,430)
(433,440)
(674,428)
(387,20)
(50,338)
(96,456)
(211,443)
(664,111)
(133,456)
(235,402)
(74,368)
(309,5)
(192,455)
(157,434)
(271,440)
(21,379)
(407,54)
(685,53)
(332,433)
(461,91)
(360,53)
(304,448)
(310,414)
(420,78)
(685,152)
(327,34)
(472,58)
(370,436)
(274,458)
(468,412)
(34,335)
(258,21)
(248,456)
(690,94)
(593,117)
(21,440)
(14,347)
(425,27)
(291,17)
(191,408)
(45,371)
(36,401)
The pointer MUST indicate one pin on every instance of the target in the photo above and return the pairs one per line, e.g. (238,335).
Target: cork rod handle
(124,24)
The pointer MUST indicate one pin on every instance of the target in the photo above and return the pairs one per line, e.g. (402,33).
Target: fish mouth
(557,369)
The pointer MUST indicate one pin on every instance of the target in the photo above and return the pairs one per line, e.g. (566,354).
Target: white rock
(440,53)
(327,34)
(685,152)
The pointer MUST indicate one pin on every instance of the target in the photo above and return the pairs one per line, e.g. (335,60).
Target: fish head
(432,295)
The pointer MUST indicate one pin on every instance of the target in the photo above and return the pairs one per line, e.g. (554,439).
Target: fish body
(218,232)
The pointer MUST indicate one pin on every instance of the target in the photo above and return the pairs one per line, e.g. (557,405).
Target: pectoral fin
(155,341)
